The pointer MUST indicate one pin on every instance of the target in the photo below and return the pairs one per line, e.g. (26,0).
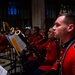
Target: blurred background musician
(49,59)
(51,54)
(36,39)
(3,31)
(3,43)
(36,36)
(28,35)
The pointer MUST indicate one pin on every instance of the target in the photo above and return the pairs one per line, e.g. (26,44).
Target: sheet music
(7,36)
(3,71)
(17,42)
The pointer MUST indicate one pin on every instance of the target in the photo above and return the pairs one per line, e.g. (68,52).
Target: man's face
(33,31)
(60,28)
(50,33)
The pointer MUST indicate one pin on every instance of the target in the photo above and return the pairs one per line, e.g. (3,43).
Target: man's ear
(70,27)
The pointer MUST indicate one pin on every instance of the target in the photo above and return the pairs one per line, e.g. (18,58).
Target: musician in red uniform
(64,29)
(3,42)
(43,32)
(28,35)
(51,54)
(37,39)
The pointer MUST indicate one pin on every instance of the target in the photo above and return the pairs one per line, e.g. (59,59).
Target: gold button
(61,52)
(60,63)
(60,57)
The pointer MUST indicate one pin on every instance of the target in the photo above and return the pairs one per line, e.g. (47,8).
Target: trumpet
(38,41)
(18,32)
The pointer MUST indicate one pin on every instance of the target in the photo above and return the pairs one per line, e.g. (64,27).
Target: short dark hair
(69,18)
(36,28)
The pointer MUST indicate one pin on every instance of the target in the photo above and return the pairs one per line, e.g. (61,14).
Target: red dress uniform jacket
(43,34)
(36,40)
(3,42)
(68,60)
(51,55)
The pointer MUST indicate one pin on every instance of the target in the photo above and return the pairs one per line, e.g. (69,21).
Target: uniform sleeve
(55,66)
(42,47)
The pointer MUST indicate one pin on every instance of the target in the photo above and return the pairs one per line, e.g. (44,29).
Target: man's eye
(57,25)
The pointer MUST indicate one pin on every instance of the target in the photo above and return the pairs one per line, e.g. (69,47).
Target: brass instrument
(5,27)
(5,24)
(17,32)
(38,41)
(12,30)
